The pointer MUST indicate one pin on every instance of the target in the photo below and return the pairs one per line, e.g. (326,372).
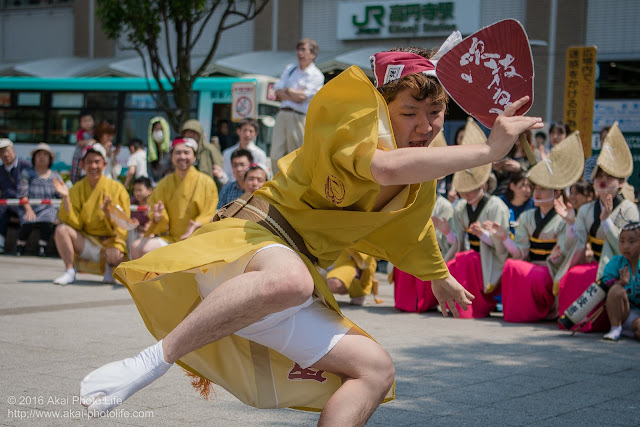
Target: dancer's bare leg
(275,279)
(368,374)
(336,286)
(69,242)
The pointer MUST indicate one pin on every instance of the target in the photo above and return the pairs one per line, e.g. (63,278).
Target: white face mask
(158,135)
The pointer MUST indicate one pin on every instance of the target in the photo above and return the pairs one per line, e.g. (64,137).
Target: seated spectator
(158,147)
(37,183)
(10,174)
(513,162)
(181,203)
(241,159)
(598,223)
(452,194)
(478,266)
(580,194)
(590,163)
(141,192)
(353,273)
(137,163)
(528,292)
(255,177)
(558,131)
(410,293)
(247,132)
(623,276)
(538,149)
(88,232)
(104,134)
(208,158)
(517,196)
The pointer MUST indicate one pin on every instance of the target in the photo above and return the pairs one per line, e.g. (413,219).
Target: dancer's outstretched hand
(508,127)
(448,291)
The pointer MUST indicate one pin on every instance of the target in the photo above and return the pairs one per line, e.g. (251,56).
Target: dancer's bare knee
(294,284)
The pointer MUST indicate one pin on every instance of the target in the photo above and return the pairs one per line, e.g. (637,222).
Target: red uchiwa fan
(489,70)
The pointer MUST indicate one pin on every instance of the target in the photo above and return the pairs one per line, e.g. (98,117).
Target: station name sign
(401,19)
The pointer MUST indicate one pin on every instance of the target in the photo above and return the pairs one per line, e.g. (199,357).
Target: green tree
(142,24)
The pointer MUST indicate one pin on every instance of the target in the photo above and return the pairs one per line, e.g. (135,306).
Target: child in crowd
(137,163)
(621,273)
(83,136)
(598,223)
(141,192)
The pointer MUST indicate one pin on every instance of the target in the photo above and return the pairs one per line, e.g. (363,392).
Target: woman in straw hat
(411,293)
(479,268)
(37,183)
(598,223)
(527,278)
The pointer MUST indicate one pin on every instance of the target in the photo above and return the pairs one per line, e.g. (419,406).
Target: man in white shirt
(295,89)
(137,163)
(247,131)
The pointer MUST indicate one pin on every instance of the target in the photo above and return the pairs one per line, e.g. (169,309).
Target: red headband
(390,66)
(189,142)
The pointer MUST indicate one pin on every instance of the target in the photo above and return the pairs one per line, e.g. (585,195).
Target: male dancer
(268,328)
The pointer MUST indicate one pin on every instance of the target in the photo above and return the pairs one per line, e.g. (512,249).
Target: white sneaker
(107,387)
(358,300)
(68,277)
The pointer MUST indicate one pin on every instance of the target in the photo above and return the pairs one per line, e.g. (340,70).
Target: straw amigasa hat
(468,180)
(615,157)
(563,166)
(439,141)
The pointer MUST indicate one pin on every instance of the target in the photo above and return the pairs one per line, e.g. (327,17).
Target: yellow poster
(579,92)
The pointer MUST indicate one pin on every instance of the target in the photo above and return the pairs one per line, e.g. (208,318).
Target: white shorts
(91,250)
(304,333)
(626,326)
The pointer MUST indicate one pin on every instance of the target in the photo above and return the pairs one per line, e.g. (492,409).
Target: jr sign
(393,19)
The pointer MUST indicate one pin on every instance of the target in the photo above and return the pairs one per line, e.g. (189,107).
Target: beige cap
(615,157)
(468,180)
(5,142)
(562,167)
(43,146)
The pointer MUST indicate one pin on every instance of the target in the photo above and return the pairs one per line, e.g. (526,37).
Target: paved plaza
(449,371)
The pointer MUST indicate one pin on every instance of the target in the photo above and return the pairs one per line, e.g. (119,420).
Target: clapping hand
(625,276)
(60,187)
(158,210)
(566,212)
(496,229)
(607,202)
(441,225)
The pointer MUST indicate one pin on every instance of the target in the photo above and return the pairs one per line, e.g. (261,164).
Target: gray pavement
(449,371)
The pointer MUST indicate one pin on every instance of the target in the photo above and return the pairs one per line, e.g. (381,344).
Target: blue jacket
(9,182)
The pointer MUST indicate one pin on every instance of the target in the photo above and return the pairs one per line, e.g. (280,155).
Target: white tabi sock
(613,334)
(69,276)
(107,387)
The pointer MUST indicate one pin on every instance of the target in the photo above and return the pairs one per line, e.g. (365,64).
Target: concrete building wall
(30,34)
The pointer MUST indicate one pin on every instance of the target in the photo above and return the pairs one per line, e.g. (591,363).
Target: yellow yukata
(88,217)
(327,196)
(193,198)
(356,270)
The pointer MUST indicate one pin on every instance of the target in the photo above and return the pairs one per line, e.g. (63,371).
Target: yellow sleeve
(344,117)
(72,218)
(410,243)
(209,200)
(157,195)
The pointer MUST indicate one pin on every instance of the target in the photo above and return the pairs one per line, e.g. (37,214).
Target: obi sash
(540,249)
(474,241)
